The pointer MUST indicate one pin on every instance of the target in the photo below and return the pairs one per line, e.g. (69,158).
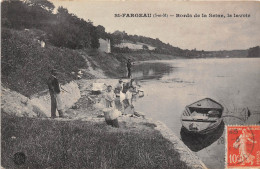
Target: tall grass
(77,144)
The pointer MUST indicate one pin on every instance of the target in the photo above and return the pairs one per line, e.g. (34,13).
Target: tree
(28,14)
(45,4)
(72,32)
(94,40)
(254,52)
(101,32)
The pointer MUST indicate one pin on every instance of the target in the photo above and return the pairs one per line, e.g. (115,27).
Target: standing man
(129,67)
(54,89)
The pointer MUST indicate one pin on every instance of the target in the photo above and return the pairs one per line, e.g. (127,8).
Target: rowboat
(197,141)
(202,116)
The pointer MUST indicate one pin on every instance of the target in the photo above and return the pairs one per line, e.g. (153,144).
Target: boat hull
(202,117)
(207,130)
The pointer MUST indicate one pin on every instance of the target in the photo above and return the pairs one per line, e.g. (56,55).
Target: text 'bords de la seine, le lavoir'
(177,15)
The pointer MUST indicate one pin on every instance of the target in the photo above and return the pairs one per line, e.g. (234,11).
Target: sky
(202,33)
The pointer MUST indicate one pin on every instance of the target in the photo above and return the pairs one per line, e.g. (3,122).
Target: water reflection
(151,70)
(197,142)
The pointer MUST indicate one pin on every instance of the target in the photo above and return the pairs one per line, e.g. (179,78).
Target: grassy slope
(26,66)
(76,144)
(111,66)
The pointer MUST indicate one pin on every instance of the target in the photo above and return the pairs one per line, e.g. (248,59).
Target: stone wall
(186,154)
(104,45)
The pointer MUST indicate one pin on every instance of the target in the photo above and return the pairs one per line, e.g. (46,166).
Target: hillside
(124,43)
(26,65)
(64,29)
(228,54)
(24,60)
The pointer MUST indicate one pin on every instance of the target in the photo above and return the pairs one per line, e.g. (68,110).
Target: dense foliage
(254,52)
(62,29)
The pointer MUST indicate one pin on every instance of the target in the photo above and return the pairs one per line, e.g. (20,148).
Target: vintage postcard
(130,84)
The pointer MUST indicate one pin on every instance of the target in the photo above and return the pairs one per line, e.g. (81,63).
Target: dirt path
(98,73)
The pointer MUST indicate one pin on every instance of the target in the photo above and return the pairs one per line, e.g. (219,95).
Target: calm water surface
(171,85)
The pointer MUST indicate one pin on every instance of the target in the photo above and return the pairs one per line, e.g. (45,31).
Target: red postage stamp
(243,146)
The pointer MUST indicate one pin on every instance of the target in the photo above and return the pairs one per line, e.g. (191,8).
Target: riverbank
(186,155)
(130,121)
(84,140)
(79,144)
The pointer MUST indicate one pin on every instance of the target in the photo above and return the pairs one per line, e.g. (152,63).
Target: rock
(14,103)
(139,114)
(75,106)
(38,111)
(80,72)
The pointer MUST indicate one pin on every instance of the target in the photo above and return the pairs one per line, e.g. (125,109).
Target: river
(171,85)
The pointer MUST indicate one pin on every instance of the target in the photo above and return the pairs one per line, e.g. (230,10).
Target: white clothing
(128,95)
(58,101)
(122,96)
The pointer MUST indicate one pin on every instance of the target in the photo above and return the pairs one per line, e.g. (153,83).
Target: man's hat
(120,80)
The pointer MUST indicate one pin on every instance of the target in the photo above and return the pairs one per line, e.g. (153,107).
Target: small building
(104,45)
(135,46)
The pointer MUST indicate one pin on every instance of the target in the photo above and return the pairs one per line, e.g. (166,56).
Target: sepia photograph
(125,84)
